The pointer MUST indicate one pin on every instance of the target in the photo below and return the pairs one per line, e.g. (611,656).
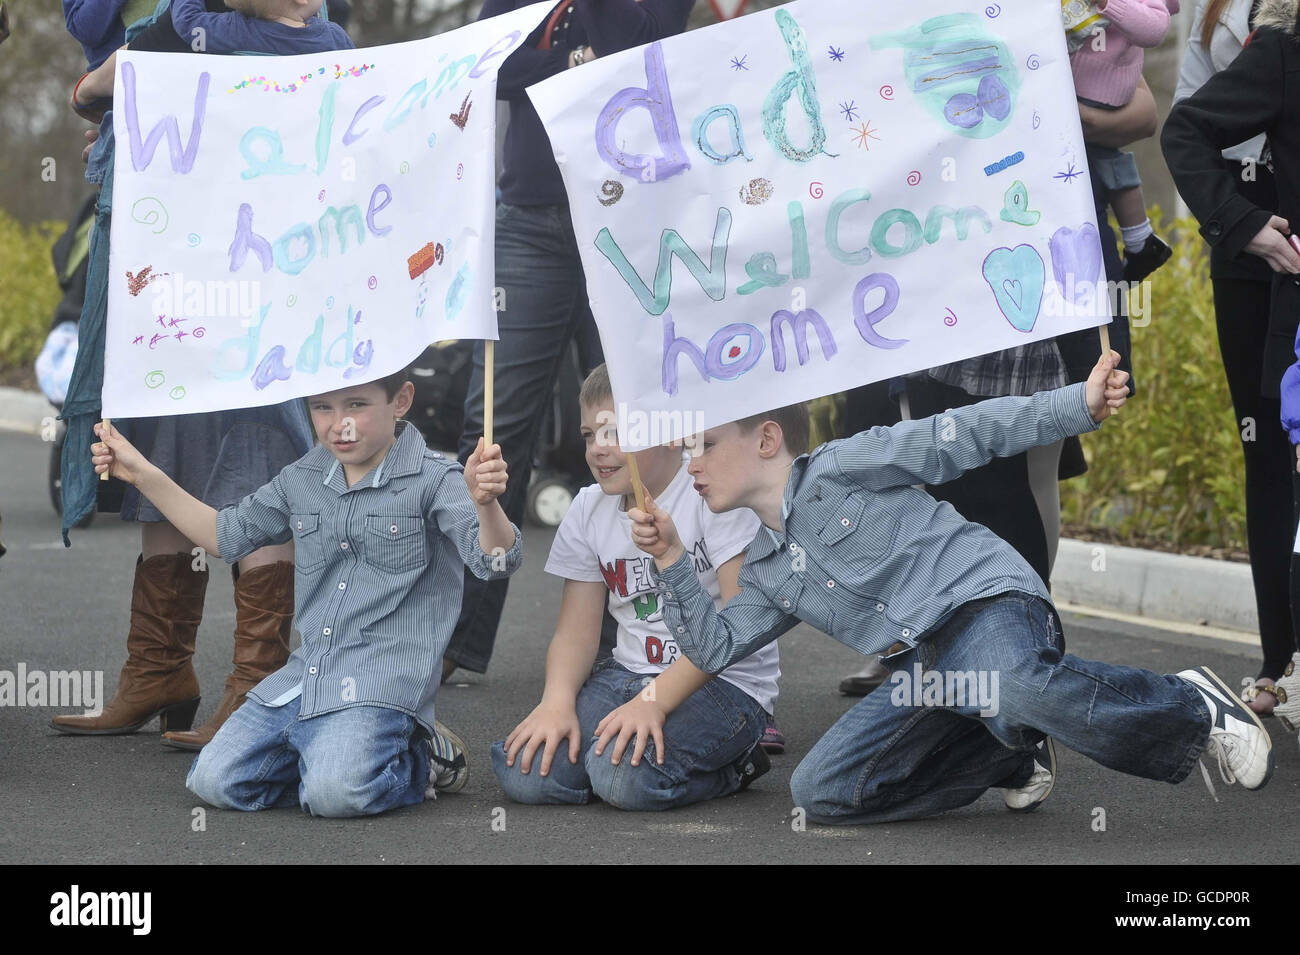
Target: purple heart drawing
(1076,261)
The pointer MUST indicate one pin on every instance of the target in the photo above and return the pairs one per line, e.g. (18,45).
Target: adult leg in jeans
(540,274)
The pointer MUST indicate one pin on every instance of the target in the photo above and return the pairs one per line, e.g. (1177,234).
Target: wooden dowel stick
(1105,350)
(638,489)
(489,355)
(107,422)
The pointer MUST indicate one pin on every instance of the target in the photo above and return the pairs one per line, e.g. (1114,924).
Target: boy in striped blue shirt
(383,530)
(980,680)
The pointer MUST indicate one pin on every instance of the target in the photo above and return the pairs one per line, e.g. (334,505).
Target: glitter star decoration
(836,55)
(1069,175)
(850,110)
(738,63)
(862,133)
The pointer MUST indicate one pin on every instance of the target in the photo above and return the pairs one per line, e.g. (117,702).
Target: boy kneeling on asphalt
(382,530)
(692,737)
(849,546)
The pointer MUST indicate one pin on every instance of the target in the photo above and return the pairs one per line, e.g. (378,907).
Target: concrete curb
(1142,583)
(24,411)
(1146,583)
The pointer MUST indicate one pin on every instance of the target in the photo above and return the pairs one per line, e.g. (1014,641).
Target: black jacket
(1258,93)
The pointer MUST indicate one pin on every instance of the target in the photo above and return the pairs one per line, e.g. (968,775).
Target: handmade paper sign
(285,226)
(803,200)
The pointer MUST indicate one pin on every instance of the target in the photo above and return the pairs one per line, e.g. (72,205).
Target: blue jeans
(358,761)
(540,272)
(887,759)
(1116,169)
(716,725)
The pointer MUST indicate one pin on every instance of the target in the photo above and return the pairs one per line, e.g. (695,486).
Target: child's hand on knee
(116,455)
(1107,387)
(642,719)
(485,474)
(653,531)
(546,726)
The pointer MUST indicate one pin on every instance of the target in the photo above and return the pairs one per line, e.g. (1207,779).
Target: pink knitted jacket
(1111,76)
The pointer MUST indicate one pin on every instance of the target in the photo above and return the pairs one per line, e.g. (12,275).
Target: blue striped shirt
(379,571)
(864,556)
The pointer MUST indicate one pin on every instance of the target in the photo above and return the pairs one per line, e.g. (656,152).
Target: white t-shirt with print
(594,543)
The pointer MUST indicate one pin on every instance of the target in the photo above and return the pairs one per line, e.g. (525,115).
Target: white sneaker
(1288,710)
(1031,795)
(448,762)
(1237,738)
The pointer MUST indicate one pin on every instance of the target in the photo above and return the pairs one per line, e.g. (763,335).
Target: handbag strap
(552,23)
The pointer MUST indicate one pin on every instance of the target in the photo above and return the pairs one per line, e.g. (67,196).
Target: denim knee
(210,781)
(809,792)
(335,796)
(565,783)
(635,788)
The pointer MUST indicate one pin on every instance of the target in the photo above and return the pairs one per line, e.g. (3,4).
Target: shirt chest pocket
(395,543)
(858,529)
(308,541)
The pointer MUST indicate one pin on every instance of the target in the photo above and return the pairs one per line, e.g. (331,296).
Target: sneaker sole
(1268,740)
(459,743)
(1051,759)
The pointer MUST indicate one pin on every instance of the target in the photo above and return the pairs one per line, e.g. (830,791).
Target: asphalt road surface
(122,799)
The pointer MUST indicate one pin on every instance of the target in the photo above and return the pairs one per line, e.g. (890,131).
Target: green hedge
(29,290)
(1169,467)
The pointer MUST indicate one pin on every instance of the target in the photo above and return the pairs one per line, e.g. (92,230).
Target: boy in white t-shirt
(694,737)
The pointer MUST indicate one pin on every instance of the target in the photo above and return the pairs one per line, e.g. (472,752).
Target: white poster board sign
(811,198)
(286,226)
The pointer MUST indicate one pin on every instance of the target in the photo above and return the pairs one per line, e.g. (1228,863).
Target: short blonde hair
(596,390)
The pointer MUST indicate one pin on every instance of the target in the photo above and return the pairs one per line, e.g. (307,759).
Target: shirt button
(311,669)
(830,583)
(437,454)
(342,585)
(846,522)
(343,544)
(326,631)
(392,529)
(785,603)
(906,632)
(300,525)
(880,608)
(681,629)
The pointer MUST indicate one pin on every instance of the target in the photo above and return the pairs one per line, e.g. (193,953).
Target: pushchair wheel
(548,501)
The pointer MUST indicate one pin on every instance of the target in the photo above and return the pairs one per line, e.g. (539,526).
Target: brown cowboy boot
(263,619)
(158,676)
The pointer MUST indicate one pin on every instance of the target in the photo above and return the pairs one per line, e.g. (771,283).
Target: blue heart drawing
(1076,261)
(1017,277)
